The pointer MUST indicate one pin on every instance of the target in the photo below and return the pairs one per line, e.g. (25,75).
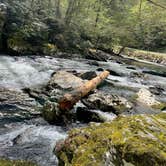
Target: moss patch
(161,106)
(4,162)
(138,140)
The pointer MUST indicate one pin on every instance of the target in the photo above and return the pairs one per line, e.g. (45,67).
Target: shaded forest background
(48,26)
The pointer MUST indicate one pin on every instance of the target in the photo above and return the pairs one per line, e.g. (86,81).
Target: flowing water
(23,133)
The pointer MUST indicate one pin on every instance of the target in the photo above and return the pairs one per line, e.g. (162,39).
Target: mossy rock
(4,162)
(160,106)
(137,140)
(18,44)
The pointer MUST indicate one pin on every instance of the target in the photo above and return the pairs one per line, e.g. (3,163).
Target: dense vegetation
(45,26)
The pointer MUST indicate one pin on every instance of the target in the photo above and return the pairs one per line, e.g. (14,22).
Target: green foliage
(75,25)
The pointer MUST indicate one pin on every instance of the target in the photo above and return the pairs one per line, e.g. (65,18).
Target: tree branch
(156,4)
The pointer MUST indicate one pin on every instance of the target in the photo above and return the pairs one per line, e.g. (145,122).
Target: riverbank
(144,55)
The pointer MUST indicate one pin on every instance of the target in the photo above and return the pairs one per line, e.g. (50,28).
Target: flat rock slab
(16,106)
(65,80)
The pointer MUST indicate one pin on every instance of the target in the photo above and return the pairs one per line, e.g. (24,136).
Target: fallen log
(70,99)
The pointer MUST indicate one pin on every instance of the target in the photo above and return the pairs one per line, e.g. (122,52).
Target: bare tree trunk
(69,11)
(58,11)
(70,99)
(140,22)
(96,24)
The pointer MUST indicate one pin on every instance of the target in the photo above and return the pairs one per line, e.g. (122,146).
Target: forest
(46,26)
(82,82)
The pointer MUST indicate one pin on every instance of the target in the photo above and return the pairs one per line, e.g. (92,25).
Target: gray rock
(83,114)
(97,55)
(107,102)
(16,106)
(65,81)
(146,97)
(54,115)
(88,75)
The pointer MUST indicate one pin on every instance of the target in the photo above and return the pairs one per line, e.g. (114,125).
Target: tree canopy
(80,24)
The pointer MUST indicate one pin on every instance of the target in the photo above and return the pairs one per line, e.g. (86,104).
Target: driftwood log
(70,99)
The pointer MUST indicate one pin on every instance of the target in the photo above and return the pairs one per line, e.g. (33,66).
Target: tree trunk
(69,12)
(70,99)
(58,11)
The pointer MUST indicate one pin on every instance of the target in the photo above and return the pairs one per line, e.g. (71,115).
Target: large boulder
(107,102)
(65,81)
(60,83)
(133,140)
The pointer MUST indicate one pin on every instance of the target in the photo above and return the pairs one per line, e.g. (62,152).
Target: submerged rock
(133,140)
(107,102)
(156,73)
(156,90)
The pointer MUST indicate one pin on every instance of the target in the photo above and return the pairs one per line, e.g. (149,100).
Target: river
(24,134)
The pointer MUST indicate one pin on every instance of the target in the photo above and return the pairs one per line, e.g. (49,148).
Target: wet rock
(56,94)
(94,63)
(156,73)
(138,75)
(131,67)
(132,140)
(60,83)
(40,95)
(65,81)
(107,102)
(19,99)
(54,115)
(114,73)
(88,75)
(16,106)
(51,112)
(83,114)
(156,90)
(97,55)
(100,69)
(146,97)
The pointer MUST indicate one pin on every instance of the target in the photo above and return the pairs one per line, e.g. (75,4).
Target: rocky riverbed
(28,83)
